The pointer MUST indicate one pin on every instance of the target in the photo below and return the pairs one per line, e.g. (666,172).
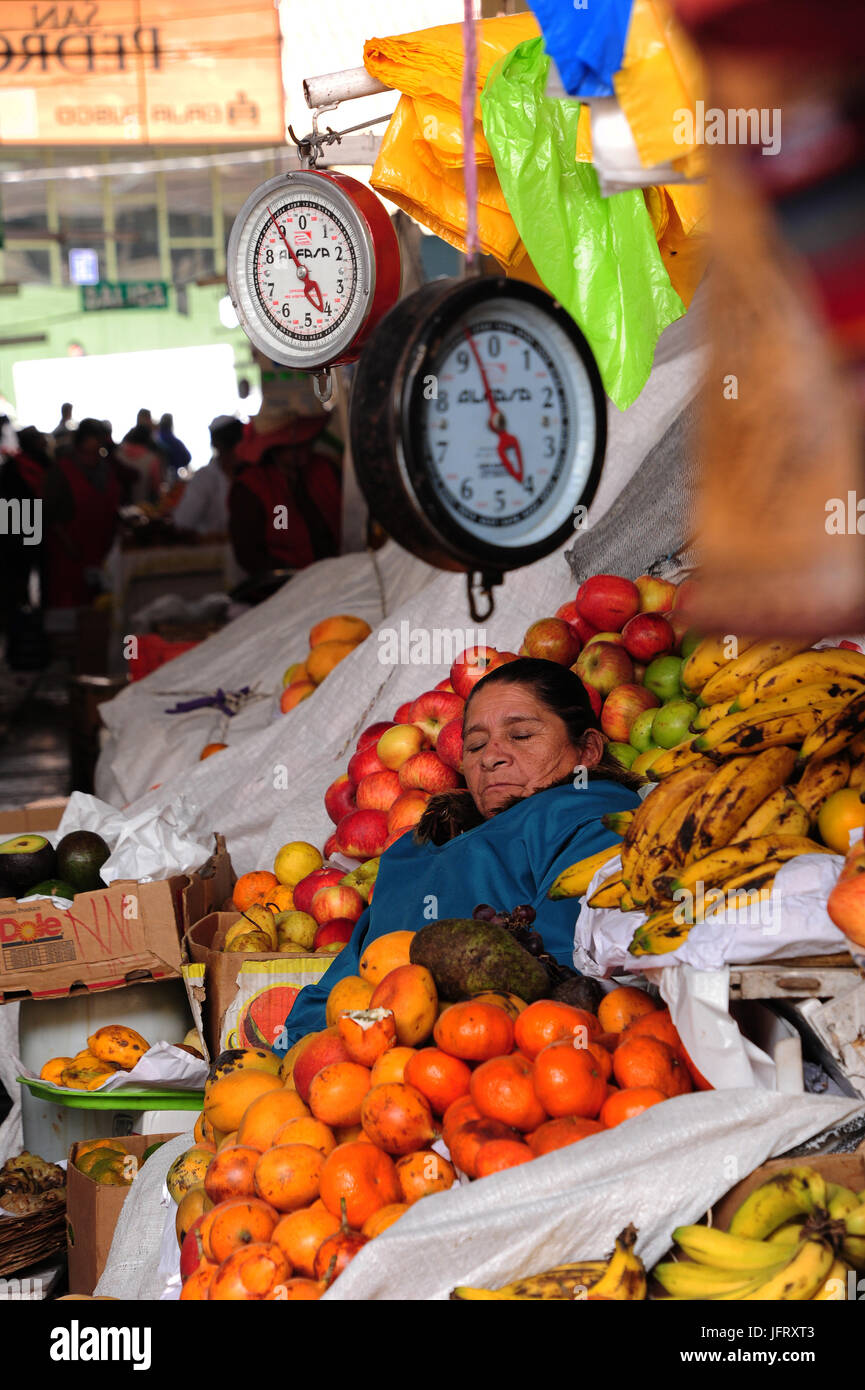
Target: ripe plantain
(722,812)
(624,1277)
(805,668)
(658,858)
(759,821)
(654,809)
(574,881)
(736,675)
(731,860)
(609,892)
(683,1279)
(617,821)
(707,716)
(834,1286)
(673,760)
(710,655)
(822,777)
(835,732)
(810,697)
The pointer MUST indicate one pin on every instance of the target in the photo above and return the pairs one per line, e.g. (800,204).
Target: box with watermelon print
(241,998)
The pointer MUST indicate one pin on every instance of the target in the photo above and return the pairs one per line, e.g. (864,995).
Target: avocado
(80,856)
(580,991)
(52,888)
(466,957)
(25,860)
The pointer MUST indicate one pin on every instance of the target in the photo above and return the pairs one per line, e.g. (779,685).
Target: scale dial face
(301,270)
(508,430)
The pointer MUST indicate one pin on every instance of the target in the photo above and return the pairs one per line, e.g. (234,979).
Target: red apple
(363,763)
(648,635)
(361,834)
(585,631)
(339,900)
(595,698)
(372,734)
(331,937)
(427,773)
(449,744)
(192,1251)
(607,601)
(396,835)
(406,811)
(615,637)
(435,708)
(399,743)
(621,708)
(378,791)
(552,639)
(403,714)
(445,685)
(322,1049)
(309,886)
(339,798)
(331,847)
(656,595)
(604,666)
(471,666)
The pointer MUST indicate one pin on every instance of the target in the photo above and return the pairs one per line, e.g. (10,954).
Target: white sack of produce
(791,922)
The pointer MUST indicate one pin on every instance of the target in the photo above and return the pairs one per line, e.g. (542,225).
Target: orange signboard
(142,72)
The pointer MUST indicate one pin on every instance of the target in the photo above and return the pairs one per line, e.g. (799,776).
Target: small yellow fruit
(296,929)
(295,860)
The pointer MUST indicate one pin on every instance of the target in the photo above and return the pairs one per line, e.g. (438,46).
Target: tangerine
(498,1154)
(569,1081)
(253,887)
(558,1134)
(623,1105)
(475,1032)
(643,1061)
(336,1092)
(468,1138)
(622,1006)
(503,1089)
(288,1176)
(363,1177)
(380,1220)
(459,1112)
(295,1289)
(392,1064)
(397,1118)
(438,1076)
(548,1021)
(300,1233)
(423,1173)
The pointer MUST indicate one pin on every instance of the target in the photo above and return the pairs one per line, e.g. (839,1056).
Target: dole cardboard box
(241,998)
(92,1210)
(125,934)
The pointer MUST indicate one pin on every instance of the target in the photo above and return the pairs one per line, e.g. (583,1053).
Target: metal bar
(331,87)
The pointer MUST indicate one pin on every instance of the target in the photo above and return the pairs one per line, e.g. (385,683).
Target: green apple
(624,753)
(643,761)
(640,736)
(690,642)
(672,722)
(662,677)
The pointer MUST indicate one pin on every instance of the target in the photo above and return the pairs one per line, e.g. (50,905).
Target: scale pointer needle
(310,287)
(508,444)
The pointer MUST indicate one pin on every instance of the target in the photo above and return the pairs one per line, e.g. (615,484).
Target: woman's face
(514,745)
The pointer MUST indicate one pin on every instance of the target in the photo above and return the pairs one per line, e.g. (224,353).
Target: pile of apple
(627,641)
(399,764)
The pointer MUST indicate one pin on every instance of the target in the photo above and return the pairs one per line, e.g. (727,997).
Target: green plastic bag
(597,256)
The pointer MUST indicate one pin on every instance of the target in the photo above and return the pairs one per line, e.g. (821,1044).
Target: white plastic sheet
(149,843)
(163,1067)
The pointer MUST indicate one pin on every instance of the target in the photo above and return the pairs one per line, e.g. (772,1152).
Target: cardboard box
(847,1169)
(91,1216)
(241,998)
(36,816)
(126,934)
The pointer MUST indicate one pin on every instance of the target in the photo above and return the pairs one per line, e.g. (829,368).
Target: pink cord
(469,97)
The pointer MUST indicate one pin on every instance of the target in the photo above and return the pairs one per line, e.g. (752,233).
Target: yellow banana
(757,879)
(617,821)
(658,858)
(788,1234)
(759,820)
(822,777)
(731,860)
(853,1248)
(790,1193)
(706,717)
(708,1245)
(609,892)
(553,1285)
(662,933)
(856,778)
(673,760)
(573,881)
(683,1279)
(804,697)
(805,668)
(800,1278)
(834,1287)
(710,655)
(771,732)
(793,820)
(736,675)
(717,784)
(721,814)
(654,809)
(624,1276)
(835,732)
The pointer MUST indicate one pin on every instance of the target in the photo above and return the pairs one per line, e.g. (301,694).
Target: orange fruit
(498,1154)
(361,1176)
(209,749)
(266,1115)
(252,887)
(438,1076)
(658,1025)
(202,1131)
(336,1092)
(294,693)
(294,1290)
(380,1220)
(324,656)
(467,1140)
(367,1034)
(391,1065)
(238,1222)
(385,954)
(643,1061)
(557,1134)
(197,1286)
(603,1058)
(423,1173)
(410,992)
(288,1176)
(230,1174)
(341,627)
(511,1003)
(840,813)
(475,1032)
(621,1105)
(227,1099)
(351,993)
(306,1130)
(459,1112)
(569,1081)
(621,1006)
(548,1021)
(251,1272)
(397,1118)
(300,1233)
(503,1089)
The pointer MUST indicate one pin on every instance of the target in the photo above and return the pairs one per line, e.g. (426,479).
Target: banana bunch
(795,1237)
(621,1276)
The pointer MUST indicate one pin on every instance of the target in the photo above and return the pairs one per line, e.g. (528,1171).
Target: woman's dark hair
(562,691)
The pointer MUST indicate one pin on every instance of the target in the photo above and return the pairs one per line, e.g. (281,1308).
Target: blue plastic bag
(587,42)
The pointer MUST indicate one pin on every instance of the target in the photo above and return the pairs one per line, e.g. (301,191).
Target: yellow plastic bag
(660,76)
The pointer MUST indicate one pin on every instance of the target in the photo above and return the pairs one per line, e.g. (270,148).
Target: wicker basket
(34,1239)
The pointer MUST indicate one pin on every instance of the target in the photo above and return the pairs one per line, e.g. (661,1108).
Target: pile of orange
(330,642)
(310,1164)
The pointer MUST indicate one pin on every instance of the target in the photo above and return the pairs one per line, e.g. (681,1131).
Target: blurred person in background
(141,466)
(64,429)
(82,495)
(203,508)
(22,477)
(176,452)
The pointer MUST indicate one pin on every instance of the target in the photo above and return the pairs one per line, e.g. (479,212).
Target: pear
(294,928)
(363,877)
(257,941)
(260,918)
